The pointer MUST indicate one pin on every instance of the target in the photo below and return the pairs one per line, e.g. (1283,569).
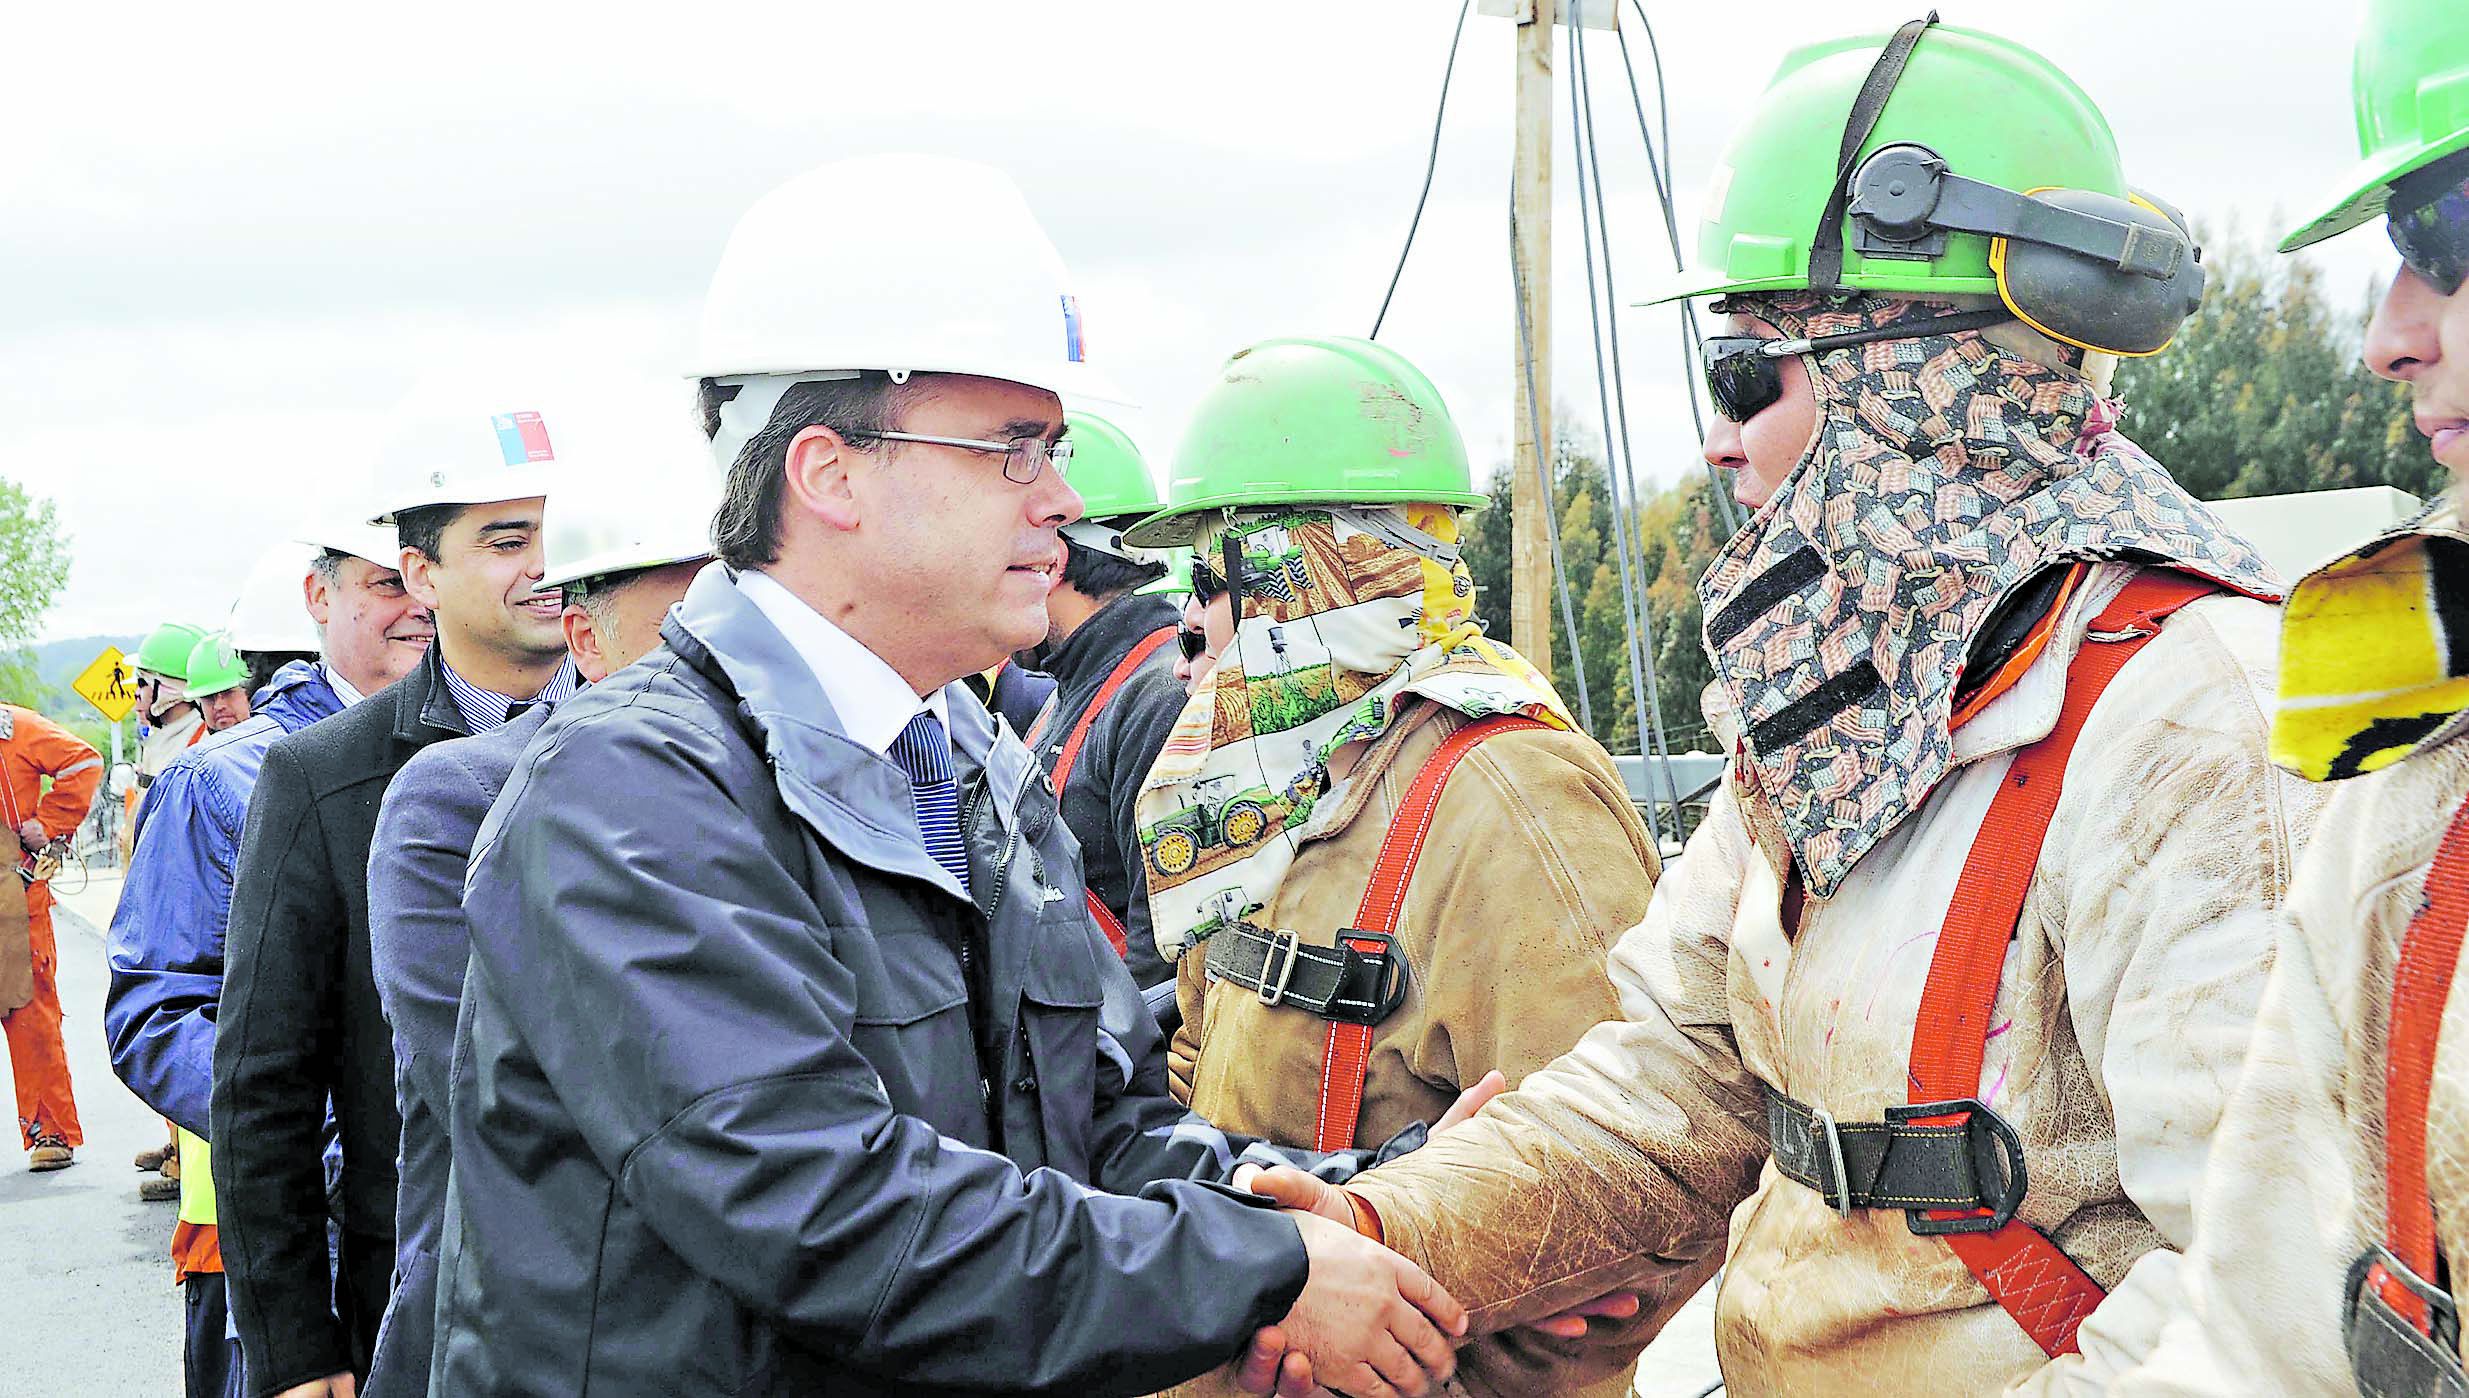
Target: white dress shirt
(874,703)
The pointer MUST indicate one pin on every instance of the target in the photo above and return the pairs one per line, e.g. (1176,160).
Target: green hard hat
(165,651)
(1178,579)
(214,667)
(1108,470)
(1994,110)
(2411,85)
(1312,421)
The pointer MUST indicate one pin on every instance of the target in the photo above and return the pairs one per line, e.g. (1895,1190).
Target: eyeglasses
(1744,373)
(1023,457)
(1194,641)
(2429,222)
(1207,586)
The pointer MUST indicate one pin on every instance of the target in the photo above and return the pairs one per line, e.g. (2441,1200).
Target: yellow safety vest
(196,1180)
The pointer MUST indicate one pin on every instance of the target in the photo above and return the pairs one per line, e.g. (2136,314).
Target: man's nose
(1722,447)
(2402,341)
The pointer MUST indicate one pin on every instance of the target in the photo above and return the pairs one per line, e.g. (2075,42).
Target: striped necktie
(924,751)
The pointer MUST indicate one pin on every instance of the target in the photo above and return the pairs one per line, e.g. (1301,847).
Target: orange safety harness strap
(2421,983)
(2024,1272)
(1349,1050)
(1122,674)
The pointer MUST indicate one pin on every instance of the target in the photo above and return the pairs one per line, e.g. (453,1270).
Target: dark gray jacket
(299,1027)
(750,1098)
(418,945)
(1122,745)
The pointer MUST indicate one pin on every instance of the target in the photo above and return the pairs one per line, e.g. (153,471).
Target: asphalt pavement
(87,1304)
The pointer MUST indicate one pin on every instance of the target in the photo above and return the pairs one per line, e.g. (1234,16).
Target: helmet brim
(1172,528)
(2362,193)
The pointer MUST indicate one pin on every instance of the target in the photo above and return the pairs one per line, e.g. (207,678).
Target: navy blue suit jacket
(419,945)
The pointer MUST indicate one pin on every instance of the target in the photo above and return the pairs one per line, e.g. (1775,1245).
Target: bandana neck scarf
(2374,651)
(1345,612)
(1944,473)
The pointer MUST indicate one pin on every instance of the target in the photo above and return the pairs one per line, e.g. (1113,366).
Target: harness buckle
(1839,1195)
(1997,1166)
(1273,989)
(1360,952)
(2378,1264)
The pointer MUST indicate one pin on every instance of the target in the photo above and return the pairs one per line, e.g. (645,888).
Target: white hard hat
(462,441)
(359,538)
(907,263)
(654,509)
(272,612)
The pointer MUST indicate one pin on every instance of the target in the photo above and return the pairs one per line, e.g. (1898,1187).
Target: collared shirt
(873,702)
(485,710)
(343,689)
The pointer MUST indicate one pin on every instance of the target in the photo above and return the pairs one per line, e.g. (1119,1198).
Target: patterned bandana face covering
(2374,651)
(1945,473)
(1346,610)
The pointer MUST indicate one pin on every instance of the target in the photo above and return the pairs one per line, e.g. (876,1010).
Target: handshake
(1370,1323)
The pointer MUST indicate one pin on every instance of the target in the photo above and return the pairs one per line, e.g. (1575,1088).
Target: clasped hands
(1370,1323)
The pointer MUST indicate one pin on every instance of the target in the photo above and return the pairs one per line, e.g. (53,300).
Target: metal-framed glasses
(1023,457)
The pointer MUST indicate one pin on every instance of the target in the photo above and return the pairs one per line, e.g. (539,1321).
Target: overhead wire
(1620,451)
(1431,164)
(1692,344)
(1544,463)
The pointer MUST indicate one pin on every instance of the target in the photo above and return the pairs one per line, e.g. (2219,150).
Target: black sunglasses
(1194,641)
(1744,373)
(2428,217)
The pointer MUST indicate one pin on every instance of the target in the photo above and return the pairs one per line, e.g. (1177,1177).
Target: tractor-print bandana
(2374,651)
(1944,473)
(1344,614)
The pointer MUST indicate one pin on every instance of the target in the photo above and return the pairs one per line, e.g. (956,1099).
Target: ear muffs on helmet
(2089,269)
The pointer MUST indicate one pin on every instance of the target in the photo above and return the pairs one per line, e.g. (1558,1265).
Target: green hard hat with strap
(1943,161)
(2411,85)
(165,651)
(1312,421)
(214,667)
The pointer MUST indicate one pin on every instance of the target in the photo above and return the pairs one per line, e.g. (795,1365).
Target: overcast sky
(229,242)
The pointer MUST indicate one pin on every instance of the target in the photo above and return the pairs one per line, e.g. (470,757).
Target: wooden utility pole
(1530,549)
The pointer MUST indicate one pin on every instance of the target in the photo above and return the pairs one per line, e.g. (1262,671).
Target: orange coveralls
(33,747)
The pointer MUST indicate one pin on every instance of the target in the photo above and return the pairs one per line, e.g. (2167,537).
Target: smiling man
(301,1023)
(167,933)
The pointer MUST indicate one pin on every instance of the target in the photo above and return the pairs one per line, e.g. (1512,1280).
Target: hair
(329,565)
(263,663)
(593,595)
(746,531)
(1100,575)
(423,527)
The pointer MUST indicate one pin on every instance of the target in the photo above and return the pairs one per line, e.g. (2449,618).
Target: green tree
(34,567)
(2264,392)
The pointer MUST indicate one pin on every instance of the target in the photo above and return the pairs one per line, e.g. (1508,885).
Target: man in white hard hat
(166,942)
(463,480)
(268,625)
(618,559)
(786,983)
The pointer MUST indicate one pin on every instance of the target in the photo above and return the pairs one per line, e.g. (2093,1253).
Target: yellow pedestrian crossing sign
(108,684)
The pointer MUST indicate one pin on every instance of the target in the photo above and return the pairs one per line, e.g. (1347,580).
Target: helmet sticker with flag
(1071,329)
(522,437)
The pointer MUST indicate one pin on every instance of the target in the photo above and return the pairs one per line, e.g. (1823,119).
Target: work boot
(171,1167)
(158,1190)
(151,1160)
(43,1158)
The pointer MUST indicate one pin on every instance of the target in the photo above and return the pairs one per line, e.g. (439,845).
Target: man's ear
(817,481)
(318,594)
(583,644)
(416,579)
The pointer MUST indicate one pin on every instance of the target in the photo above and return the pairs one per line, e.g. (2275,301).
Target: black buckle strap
(1341,982)
(2389,1356)
(1972,1164)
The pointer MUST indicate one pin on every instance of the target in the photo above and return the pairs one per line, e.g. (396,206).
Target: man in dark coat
(618,560)
(300,1028)
(791,1061)
(1111,651)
